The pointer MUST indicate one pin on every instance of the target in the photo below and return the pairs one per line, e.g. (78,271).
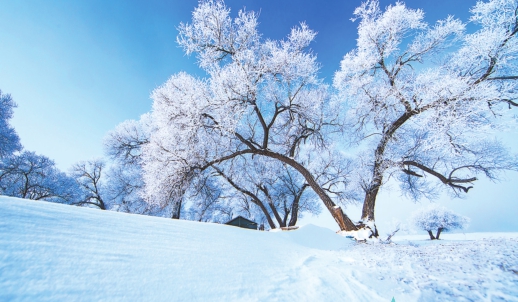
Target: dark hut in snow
(242,222)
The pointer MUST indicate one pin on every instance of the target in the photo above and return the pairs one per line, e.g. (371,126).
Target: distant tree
(124,185)
(32,176)
(208,202)
(124,182)
(9,140)
(440,219)
(88,176)
(423,99)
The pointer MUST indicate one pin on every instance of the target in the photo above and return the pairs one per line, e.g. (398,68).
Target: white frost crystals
(425,99)
(420,100)
(258,97)
(186,115)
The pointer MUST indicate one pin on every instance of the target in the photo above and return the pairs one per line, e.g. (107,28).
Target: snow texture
(55,252)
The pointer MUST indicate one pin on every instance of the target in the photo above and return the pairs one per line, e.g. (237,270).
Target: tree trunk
(176,210)
(371,194)
(431,235)
(295,206)
(272,205)
(276,214)
(343,221)
(439,230)
(266,214)
(294,213)
(286,214)
(369,204)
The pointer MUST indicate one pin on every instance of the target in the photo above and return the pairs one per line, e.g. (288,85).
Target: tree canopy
(413,101)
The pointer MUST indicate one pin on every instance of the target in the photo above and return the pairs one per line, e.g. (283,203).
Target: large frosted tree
(261,98)
(424,99)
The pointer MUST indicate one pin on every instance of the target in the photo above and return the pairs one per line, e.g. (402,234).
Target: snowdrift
(54,252)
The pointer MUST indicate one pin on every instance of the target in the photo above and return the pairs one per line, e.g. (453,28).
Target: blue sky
(78,68)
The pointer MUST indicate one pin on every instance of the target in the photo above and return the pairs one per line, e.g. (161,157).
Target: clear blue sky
(78,68)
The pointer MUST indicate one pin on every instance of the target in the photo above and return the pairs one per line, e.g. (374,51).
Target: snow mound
(54,252)
(316,237)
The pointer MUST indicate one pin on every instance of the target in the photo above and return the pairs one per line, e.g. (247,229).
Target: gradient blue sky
(78,68)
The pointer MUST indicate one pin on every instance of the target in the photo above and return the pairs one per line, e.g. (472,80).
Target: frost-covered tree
(261,98)
(88,176)
(124,182)
(438,218)
(9,140)
(208,202)
(424,99)
(210,196)
(124,185)
(124,143)
(33,176)
(116,187)
(276,189)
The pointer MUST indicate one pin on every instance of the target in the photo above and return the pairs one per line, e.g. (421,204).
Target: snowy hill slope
(53,252)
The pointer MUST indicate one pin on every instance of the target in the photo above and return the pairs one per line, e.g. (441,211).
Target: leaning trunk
(431,235)
(343,221)
(265,212)
(276,214)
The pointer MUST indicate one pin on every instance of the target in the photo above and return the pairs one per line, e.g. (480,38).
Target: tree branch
(450,181)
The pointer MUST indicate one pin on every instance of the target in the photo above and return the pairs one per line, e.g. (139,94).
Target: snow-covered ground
(53,252)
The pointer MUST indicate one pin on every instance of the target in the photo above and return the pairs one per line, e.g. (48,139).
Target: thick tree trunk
(369,204)
(439,230)
(343,221)
(431,235)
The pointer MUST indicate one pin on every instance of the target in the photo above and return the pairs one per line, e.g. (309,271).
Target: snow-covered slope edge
(53,252)
(58,252)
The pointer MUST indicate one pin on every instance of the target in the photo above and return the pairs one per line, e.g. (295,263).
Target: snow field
(54,252)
